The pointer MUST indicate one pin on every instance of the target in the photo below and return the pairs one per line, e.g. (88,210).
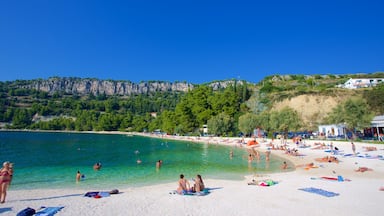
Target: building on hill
(361,83)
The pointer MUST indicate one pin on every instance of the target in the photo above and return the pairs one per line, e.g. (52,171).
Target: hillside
(93,104)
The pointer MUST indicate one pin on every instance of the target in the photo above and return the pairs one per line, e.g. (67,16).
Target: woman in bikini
(199,184)
(5,179)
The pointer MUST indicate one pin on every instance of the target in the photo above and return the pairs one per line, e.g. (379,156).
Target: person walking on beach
(353,148)
(183,185)
(6,173)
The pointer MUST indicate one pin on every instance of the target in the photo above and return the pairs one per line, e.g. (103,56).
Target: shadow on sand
(54,197)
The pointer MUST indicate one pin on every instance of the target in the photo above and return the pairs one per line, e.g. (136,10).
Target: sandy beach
(298,192)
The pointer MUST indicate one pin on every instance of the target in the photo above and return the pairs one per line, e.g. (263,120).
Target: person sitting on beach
(199,184)
(363,169)
(183,185)
(97,166)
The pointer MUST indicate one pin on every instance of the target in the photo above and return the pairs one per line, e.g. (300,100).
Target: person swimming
(97,166)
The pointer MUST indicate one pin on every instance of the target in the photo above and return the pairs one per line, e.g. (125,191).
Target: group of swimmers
(184,186)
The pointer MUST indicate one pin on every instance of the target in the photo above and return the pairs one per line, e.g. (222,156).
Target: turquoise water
(51,160)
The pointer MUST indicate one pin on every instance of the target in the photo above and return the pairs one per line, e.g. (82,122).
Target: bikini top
(4,173)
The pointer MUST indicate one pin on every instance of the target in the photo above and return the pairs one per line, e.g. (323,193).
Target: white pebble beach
(361,195)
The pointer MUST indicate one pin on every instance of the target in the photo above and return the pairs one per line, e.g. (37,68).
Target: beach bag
(114,191)
(26,212)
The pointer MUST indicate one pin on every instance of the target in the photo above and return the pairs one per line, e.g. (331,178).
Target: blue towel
(49,211)
(319,191)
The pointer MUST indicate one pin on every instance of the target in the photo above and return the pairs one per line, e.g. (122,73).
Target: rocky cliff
(82,86)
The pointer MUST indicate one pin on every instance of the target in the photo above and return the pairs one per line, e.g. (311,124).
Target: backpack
(26,212)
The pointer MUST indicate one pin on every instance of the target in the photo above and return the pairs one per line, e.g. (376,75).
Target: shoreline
(359,196)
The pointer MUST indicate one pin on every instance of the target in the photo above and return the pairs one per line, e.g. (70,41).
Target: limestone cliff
(82,86)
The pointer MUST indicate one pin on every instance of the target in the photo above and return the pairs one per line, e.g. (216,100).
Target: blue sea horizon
(50,160)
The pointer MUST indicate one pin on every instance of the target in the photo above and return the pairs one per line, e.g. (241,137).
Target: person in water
(97,166)
(159,163)
(6,173)
(183,185)
(78,176)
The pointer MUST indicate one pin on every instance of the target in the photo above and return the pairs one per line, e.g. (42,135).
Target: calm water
(51,160)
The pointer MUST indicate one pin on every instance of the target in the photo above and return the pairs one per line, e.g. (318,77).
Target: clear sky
(189,40)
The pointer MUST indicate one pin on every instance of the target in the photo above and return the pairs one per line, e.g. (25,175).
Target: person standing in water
(78,176)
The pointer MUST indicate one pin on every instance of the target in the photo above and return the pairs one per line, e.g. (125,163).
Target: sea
(50,160)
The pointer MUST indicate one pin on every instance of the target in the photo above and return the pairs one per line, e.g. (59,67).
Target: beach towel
(190,193)
(265,183)
(319,191)
(49,211)
(97,194)
(337,179)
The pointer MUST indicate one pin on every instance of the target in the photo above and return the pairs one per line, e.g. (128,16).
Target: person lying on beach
(320,146)
(307,166)
(370,148)
(363,169)
(265,182)
(328,159)
(183,185)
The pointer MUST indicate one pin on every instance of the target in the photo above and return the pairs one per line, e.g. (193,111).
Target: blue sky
(194,41)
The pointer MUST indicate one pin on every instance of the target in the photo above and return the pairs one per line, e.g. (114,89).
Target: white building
(332,130)
(361,83)
(378,126)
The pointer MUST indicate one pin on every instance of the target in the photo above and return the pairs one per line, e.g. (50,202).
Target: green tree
(354,112)
(284,120)
(220,124)
(375,99)
(168,121)
(247,123)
